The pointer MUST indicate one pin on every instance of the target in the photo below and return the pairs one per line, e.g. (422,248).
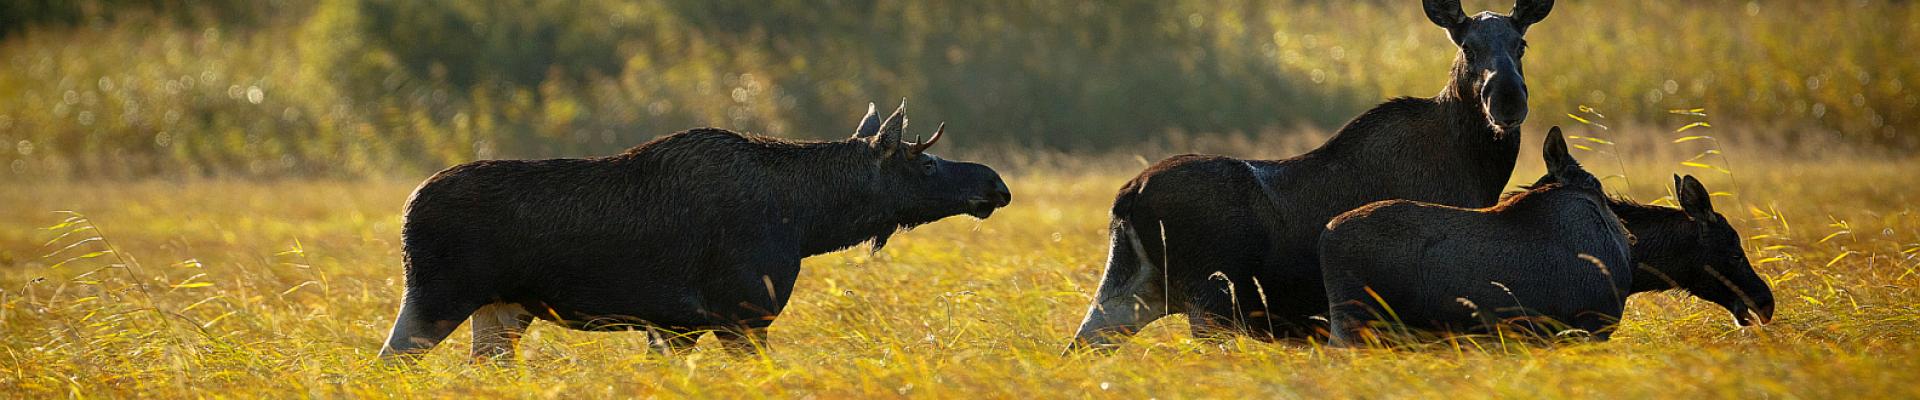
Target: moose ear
(1445,13)
(869,125)
(887,140)
(1555,152)
(1527,12)
(1694,199)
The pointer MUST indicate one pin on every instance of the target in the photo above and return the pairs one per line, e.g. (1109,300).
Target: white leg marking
(405,336)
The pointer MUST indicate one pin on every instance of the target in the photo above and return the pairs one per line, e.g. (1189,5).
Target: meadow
(202,199)
(271,288)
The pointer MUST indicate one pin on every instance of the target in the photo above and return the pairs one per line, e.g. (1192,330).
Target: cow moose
(1232,243)
(699,231)
(1555,255)
(1692,249)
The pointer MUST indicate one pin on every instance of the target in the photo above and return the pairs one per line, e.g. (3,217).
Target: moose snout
(1504,98)
(1506,105)
(993,198)
(1000,195)
(1510,120)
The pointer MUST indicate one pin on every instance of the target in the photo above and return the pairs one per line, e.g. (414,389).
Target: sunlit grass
(264,289)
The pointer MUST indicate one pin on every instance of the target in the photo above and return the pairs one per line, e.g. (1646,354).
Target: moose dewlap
(699,231)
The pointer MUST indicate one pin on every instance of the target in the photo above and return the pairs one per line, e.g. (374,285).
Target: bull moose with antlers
(695,232)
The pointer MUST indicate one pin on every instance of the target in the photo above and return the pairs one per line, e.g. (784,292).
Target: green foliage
(379,87)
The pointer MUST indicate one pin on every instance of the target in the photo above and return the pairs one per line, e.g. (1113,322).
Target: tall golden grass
(221,288)
(210,283)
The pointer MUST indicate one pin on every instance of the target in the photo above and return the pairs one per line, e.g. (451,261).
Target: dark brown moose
(698,231)
(1232,242)
(1550,258)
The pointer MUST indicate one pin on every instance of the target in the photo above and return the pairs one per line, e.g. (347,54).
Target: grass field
(276,288)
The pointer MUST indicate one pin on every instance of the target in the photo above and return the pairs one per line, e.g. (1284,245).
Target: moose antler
(922,146)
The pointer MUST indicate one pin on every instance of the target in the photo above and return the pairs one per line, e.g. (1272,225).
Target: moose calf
(1555,252)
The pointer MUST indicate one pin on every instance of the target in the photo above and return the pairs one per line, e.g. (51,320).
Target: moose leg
(424,321)
(1210,326)
(768,279)
(743,341)
(1114,319)
(1347,323)
(671,342)
(1132,295)
(1226,307)
(1599,324)
(497,328)
(1228,301)
(1218,257)
(1350,305)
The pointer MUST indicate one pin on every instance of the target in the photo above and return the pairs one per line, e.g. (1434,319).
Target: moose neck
(840,212)
(1490,153)
(1664,241)
(1459,89)
(1462,105)
(816,197)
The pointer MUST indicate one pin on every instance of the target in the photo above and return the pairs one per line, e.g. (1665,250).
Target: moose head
(1691,249)
(1487,67)
(1717,269)
(920,186)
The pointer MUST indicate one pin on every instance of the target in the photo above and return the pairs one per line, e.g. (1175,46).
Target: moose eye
(929,166)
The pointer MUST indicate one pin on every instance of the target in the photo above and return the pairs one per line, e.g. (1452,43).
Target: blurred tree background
(131,88)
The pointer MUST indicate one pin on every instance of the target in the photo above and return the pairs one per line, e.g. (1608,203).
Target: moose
(1692,249)
(1232,243)
(695,232)
(1555,255)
